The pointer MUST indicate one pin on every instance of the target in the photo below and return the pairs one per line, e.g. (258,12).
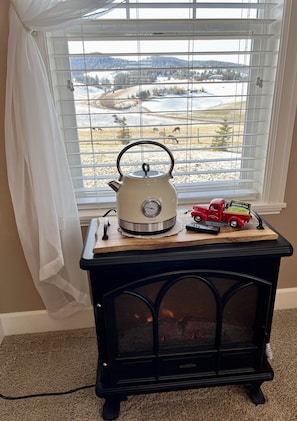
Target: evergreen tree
(124,130)
(223,135)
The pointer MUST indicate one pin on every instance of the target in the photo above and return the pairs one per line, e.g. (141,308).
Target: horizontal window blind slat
(158,27)
(200,5)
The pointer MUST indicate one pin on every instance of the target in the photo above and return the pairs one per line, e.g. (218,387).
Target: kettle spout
(115,185)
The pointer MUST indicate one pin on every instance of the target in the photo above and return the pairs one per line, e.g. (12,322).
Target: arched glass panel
(133,324)
(187,315)
(239,316)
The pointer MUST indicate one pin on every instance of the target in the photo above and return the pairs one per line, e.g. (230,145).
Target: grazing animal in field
(173,138)
(176,130)
(155,130)
(97,129)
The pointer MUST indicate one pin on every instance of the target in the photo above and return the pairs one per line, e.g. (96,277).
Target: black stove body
(182,318)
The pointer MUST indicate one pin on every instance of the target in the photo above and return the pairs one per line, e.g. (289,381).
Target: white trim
(87,213)
(286,298)
(39,321)
(283,117)
(1,331)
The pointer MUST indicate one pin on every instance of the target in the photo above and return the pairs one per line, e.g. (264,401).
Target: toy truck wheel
(233,223)
(197,218)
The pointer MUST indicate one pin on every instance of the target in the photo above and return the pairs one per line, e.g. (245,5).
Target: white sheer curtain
(39,179)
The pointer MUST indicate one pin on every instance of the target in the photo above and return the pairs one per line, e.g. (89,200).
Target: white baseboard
(1,331)
(39,321)
(285,299)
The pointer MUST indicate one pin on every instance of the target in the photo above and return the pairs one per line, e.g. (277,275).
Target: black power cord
(38,395)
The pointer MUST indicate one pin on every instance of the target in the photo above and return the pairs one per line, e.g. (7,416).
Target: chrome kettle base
(147,228)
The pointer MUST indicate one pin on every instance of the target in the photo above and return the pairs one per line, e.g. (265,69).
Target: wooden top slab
(118,242)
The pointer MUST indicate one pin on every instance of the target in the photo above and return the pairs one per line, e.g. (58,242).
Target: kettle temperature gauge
(151,208)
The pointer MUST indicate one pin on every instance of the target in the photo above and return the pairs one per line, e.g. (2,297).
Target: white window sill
(91,212)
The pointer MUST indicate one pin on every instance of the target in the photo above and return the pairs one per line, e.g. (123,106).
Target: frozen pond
(213,95)
(183,102)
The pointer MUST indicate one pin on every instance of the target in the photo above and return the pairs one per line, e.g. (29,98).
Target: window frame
(281,130)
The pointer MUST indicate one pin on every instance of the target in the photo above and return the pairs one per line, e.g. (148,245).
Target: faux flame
(164,313)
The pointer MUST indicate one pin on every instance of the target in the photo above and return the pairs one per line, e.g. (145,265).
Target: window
(203,78)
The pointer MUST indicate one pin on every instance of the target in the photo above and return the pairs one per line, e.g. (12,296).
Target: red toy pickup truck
(234,213)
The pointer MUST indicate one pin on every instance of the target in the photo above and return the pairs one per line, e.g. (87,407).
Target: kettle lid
(145,172)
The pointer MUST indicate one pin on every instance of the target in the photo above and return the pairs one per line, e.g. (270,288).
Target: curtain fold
(38,173)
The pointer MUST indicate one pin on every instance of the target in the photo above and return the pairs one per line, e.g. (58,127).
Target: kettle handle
(143,142)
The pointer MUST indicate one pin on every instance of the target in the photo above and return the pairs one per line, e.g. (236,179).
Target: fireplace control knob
(104,364)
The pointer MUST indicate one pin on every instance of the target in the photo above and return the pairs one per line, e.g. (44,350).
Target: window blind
(196,76)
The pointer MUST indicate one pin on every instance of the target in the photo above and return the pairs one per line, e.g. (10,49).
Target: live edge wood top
(118,242)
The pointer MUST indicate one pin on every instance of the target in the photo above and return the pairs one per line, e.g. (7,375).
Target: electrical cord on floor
(38,395)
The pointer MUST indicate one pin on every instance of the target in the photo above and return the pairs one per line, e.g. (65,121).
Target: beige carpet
(59,361)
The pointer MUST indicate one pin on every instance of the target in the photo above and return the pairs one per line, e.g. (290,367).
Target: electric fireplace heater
(182,318)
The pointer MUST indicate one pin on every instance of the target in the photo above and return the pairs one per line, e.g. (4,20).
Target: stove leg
(256,394)
(111,408)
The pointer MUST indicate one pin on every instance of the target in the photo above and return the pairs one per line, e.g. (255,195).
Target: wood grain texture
(119,242)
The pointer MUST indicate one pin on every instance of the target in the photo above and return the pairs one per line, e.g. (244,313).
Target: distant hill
(97,62)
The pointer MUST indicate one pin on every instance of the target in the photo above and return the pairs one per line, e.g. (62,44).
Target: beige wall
(17,292)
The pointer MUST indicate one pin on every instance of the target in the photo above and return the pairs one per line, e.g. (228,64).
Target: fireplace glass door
(187,323)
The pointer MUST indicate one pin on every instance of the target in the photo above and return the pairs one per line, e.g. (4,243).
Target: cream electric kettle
(146,199)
